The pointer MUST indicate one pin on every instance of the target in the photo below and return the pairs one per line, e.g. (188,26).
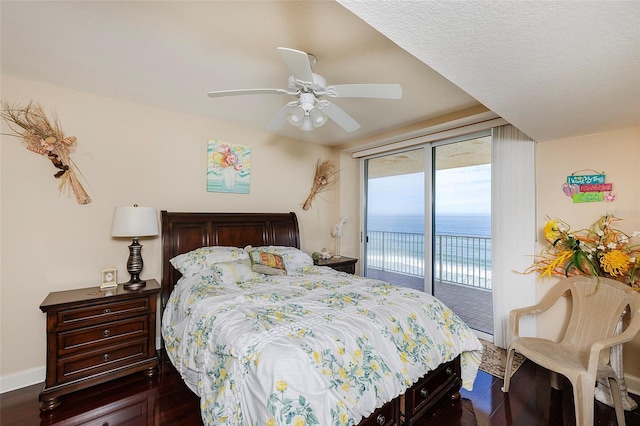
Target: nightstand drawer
(108,333)
(109,358)
(349,269)
(103,312)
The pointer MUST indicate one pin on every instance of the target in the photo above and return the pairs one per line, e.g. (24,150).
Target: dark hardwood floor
(166,400)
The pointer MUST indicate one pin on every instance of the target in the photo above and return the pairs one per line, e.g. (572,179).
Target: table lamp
(134,222)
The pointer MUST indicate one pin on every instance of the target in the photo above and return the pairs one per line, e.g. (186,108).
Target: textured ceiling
(554,69)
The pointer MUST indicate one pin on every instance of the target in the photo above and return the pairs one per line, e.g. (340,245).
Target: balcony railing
(459,259)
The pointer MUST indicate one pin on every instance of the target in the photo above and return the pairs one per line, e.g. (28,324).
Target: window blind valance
(472,124)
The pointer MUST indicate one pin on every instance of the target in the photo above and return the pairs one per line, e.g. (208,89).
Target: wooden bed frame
(183,232)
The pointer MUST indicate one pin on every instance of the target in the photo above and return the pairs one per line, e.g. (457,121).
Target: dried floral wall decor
(325,178)
(46,138)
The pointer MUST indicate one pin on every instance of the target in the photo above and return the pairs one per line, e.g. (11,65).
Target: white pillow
(235,272)
(204,258)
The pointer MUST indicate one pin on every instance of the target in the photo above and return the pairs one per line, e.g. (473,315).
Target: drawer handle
(424,392)
(107,311)
(381,420)
(449,371)
(106,333)
(105,357)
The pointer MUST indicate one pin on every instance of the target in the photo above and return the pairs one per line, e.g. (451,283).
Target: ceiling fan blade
(219,93)
(338,115)
(384,91)
(298,63)
(281,117)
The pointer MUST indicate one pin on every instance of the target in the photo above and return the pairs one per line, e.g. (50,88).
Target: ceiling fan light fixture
(307,124)
(317,117)
(310,111)
(295,117)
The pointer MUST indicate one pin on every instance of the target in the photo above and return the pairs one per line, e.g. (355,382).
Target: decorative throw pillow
(235,272)
(294,258)
(267,259)
(204,258)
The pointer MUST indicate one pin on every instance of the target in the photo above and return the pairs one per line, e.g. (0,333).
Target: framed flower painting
(228,167)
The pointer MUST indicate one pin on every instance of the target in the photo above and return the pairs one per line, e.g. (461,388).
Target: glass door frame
(428,270)
(429,210)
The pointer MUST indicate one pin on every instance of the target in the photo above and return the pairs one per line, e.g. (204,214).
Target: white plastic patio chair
(582,354)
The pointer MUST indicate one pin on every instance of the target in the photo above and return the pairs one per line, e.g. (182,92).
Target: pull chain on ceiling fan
(309,111)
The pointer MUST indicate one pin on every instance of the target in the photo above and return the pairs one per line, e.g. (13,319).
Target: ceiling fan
(309,110)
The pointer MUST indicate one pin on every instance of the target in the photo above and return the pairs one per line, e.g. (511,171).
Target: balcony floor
(473,305)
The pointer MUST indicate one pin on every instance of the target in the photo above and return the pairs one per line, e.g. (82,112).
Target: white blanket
(320,348)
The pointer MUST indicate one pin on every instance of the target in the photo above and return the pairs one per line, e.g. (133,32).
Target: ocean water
(469,225)
(394,246)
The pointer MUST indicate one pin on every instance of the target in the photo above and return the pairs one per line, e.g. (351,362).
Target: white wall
(128,154)
(135,154)
(617,154)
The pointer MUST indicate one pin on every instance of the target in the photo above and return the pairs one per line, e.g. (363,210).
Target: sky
(464,190)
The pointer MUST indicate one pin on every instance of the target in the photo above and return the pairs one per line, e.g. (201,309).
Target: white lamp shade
(134,222)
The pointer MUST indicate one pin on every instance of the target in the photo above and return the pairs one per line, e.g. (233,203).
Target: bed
(308,346)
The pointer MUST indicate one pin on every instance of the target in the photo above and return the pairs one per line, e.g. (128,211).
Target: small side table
(95,335)
(342,264)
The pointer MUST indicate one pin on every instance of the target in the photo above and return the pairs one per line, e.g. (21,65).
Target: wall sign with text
(588,188)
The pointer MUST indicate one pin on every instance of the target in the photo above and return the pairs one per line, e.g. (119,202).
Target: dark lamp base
(134,266)
(137,285)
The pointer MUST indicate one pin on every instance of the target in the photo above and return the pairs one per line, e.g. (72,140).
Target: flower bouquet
(600,250)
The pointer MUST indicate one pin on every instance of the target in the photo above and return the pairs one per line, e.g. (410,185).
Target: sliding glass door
(428,223)
(395,218)
(462,230)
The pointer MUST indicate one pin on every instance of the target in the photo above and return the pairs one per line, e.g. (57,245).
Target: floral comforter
(319,348)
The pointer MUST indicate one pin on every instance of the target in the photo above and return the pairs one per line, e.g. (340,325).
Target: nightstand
(342,264)
(95,335)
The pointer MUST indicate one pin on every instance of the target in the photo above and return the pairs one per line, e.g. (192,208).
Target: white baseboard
(484,336)
(22,379)
(633,384)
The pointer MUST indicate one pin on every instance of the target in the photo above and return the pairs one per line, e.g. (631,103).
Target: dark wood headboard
(183,232)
